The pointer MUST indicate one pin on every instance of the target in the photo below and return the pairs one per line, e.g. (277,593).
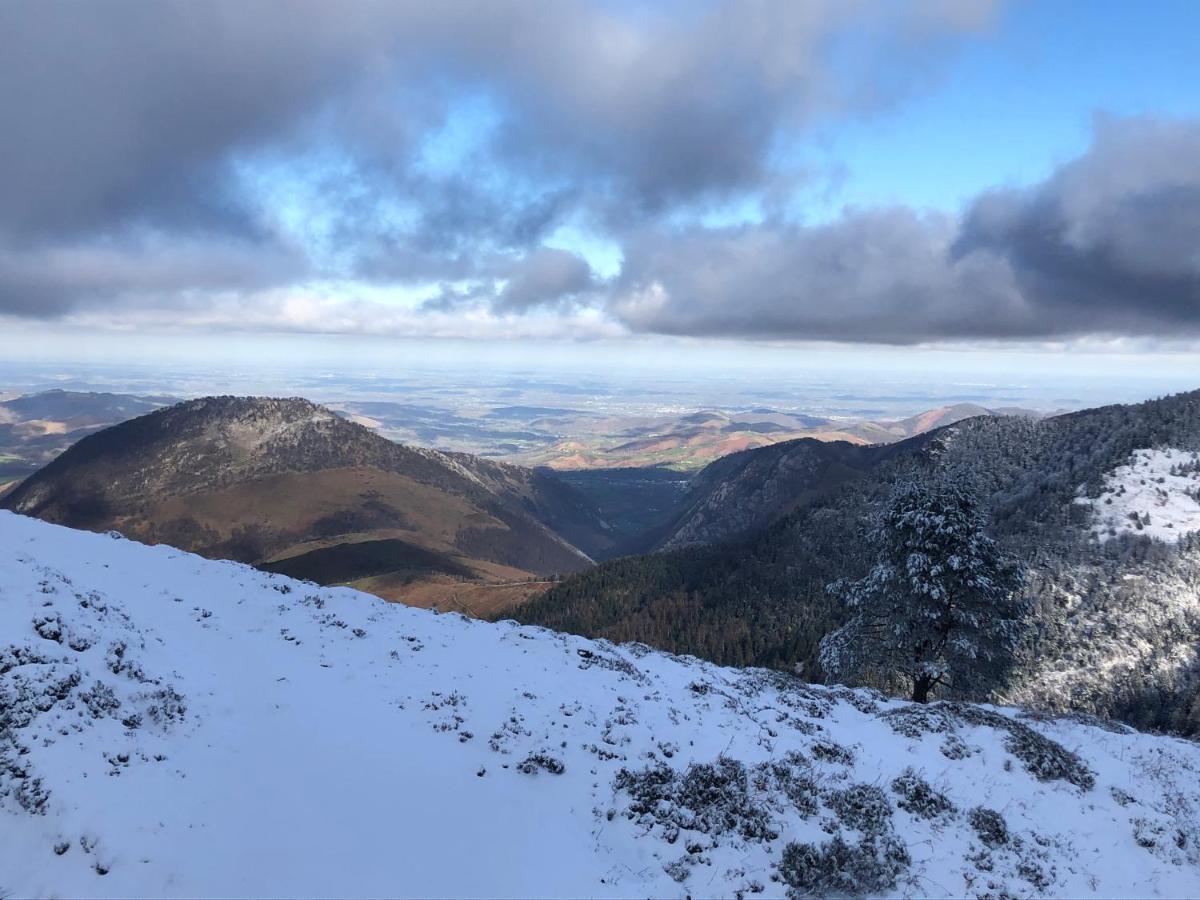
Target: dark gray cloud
(1110,240)
(881,275)
(128,110)
(545,276)
(47,281)
(1107,244)
(140,117)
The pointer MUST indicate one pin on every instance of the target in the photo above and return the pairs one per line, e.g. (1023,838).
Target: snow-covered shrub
(100,700)
(49,628)
(167,706)
(954,747)
(792,775)
(711,798)
(863,807)
(989,826)
(541,762)
(1043,758)
(917,721)
(868,867)
(919,797)
(832,752)
(32,795)
(15,655)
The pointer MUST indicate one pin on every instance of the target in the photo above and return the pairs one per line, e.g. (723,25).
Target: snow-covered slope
(1157,493)
(171,726)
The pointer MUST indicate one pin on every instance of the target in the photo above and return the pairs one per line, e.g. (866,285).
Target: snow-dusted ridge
(171,726)
(1157,493)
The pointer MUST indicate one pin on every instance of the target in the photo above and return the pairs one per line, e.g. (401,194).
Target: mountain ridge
(1114,614)
(257,479)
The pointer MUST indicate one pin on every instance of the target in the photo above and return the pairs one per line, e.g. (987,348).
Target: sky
(854,182)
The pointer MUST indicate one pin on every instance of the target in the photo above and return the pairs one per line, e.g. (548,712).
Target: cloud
(545,276)
(151,269)
(134,117)
(879,275)
(169,155)
(1105,245)
(1109,241)
(299,310)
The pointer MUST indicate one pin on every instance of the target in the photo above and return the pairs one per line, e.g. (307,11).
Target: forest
(1113,622)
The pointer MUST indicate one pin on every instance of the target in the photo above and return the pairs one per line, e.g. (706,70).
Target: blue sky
(964,176)
(1020,100)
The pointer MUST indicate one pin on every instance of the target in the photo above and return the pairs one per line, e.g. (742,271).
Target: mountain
(746,491)
(1102,505)
(173,726)
(684,442)
(929,420)
(292,487)
(691,441)
(34,428)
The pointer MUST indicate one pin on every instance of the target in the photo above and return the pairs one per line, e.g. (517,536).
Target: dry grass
(295,502)
(476,599)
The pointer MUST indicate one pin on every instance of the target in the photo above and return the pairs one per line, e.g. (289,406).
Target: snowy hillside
(171,726)
(1157,493)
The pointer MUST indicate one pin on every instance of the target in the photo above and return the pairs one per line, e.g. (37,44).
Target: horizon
(659,388)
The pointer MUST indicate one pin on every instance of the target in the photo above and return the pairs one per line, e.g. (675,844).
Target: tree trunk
(921,686)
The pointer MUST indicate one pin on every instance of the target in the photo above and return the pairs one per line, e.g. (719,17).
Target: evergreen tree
(941,606)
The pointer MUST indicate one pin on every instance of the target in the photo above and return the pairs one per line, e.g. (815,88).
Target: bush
(869,867)
(916,720)
(989,825)
(920,798)
(829,751)
(792,776)
(100,700)
(863,807)
(541,762)
(712,798)
(167,706)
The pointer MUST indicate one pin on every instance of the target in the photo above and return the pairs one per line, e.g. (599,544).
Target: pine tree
(940,608)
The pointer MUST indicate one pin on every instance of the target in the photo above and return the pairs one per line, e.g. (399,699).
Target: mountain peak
(289,484)
(201,444)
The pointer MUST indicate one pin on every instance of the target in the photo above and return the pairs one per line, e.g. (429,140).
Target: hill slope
(173,726)
(690,441)
(747,491)
(1117,606)
(36,427)
(277,481)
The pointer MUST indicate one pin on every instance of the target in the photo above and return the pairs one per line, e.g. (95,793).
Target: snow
(1157,493)
(275,738)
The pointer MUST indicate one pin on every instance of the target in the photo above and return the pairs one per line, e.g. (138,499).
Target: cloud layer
(1108,244)
(221,164)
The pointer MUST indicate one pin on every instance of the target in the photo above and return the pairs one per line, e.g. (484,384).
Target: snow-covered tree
(942,604)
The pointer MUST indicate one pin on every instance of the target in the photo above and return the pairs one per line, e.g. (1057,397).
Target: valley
(731,563)
(742,573)
(605,430)
(415,546)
